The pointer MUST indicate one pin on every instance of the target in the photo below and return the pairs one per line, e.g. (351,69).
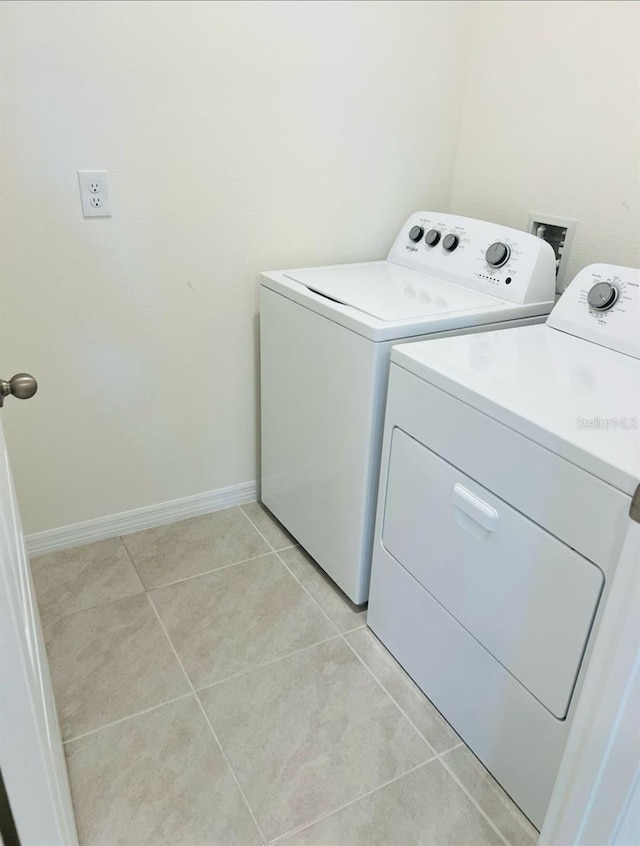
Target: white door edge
(31,755)
(596,794)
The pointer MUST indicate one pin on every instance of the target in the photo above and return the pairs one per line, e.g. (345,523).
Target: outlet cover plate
(94,193)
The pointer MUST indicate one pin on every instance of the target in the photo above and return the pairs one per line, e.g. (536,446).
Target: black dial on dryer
(432,237)
(497,254)
(415,233)
(603,296)
(450,242)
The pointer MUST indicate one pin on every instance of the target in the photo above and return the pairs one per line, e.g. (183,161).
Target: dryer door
(524,595)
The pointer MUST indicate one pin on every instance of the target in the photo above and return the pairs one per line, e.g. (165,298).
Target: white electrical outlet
(557,231)
(94,193)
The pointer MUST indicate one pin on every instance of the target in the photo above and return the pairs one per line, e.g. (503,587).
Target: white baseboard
(126,522)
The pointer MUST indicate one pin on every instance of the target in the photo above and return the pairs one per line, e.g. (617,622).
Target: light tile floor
(215,688)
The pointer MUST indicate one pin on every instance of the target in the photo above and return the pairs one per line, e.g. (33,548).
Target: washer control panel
(507,263)
(602,305)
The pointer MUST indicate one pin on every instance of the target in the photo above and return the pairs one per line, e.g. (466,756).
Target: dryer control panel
(506,263)
(602,305)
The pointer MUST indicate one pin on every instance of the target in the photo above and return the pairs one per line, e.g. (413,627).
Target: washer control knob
(432,237)
(497,254)
(450,242)
(415,233)
(603,296)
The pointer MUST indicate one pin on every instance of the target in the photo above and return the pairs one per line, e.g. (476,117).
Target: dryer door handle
(475,508)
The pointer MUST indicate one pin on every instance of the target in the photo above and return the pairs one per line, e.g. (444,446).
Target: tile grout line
(400,709)
(268,543)
(208,721)
(195,575)
(209,572)
(267,664)
(48,621)
(124,719)
(501,795)
(472,800)
(291,573)
(133,563)
(262,535)
(302,585)
(231,770)
(438,756)
(355,629)
(309,594)
(264,538)
(328,814)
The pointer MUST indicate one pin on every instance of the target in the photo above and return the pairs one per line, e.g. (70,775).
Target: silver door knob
(22,386)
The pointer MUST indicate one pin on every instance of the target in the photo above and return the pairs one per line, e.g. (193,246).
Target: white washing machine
(325,339)
(509,465)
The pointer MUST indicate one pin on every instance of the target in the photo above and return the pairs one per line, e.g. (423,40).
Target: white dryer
(325,339)
(509,465)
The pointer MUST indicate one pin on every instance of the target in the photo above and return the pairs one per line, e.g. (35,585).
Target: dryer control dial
(497,254)
(603,295)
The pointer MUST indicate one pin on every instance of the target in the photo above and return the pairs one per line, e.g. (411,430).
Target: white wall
(246,136)
(238,137)
(550,122)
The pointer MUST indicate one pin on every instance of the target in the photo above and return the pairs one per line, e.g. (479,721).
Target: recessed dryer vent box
(557,231)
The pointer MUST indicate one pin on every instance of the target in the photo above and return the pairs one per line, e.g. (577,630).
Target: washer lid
(390,292)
